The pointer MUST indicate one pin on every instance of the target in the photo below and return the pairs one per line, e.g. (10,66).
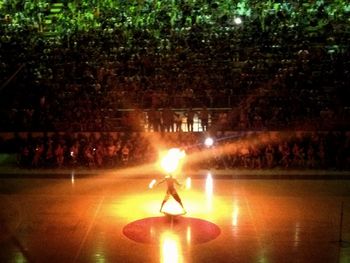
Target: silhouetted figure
(171,191)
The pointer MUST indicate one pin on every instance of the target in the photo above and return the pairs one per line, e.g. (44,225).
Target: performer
(171,191)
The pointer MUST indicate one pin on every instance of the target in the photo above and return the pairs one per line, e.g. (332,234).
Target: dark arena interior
(175,131)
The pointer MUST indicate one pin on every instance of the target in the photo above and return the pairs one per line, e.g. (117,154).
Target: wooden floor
(105,218)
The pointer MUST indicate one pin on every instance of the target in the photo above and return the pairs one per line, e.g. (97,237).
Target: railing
(12,77)
(220,119)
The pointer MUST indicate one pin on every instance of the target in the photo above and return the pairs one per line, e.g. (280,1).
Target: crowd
(257,150)
(128,71)
(265,64)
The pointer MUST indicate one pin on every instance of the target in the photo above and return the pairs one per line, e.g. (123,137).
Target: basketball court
(112,218)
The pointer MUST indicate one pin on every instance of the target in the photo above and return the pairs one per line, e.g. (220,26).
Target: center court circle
(150,230)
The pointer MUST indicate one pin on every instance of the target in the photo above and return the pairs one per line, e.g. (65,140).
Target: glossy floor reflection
(87,220)
(185,229)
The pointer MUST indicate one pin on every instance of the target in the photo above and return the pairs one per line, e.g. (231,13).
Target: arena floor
(109,218)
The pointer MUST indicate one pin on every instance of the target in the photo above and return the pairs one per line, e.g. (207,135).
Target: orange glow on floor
(235,214)
(198,202)
(171,207)
(209,185)
(259,220)
(170,248)
(188,182)
(209,191)
(188,235)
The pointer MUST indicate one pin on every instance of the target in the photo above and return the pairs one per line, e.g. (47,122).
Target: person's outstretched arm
(160,182)
(177,182)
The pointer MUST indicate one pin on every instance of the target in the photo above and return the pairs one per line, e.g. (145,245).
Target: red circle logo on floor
(150,230)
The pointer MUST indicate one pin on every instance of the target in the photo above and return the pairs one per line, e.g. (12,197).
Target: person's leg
(178,199)
(166,198)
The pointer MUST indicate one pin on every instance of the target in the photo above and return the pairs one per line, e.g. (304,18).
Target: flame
(152,183)
(172,160)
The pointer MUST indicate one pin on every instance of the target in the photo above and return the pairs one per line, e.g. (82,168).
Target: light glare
(209,185)
(209,142)
(235,214)
(188,182)
(238,20)
(72,178)
(171,160)
(171,207)
(152,183)
(171,252)
(209,191)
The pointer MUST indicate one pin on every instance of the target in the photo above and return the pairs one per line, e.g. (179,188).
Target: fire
(152,183)
(172,160)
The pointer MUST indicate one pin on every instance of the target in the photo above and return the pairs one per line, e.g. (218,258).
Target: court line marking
(82,243)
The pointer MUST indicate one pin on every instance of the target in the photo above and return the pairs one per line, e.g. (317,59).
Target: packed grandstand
(100,76)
